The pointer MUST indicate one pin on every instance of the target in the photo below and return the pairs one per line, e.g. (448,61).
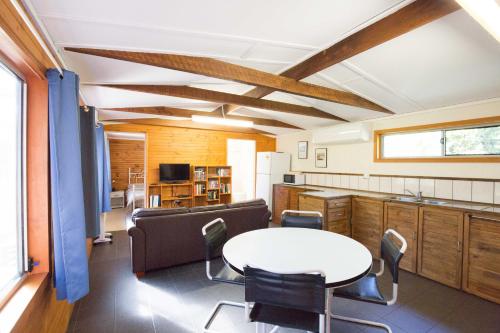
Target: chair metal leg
(353,320)
(363,322)
(213,314)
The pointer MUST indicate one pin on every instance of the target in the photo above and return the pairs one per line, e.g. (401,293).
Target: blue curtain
(89,171)
(103,171)
(71,275)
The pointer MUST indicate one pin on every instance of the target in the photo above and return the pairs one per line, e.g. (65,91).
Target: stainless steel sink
(416,200)
(433,202)
(405,199)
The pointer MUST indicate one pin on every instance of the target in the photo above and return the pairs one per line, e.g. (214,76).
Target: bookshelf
(209,185)
(212,184)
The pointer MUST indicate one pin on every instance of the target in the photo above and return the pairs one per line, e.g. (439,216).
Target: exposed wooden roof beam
(221,97)
(406,19)
(187,124)
(226,71)
(176,112)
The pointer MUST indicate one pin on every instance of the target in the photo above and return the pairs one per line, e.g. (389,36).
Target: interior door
(241,157)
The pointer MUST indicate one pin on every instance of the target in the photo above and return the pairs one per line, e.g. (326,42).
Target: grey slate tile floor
(179,299)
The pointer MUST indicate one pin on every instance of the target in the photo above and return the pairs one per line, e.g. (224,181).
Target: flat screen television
(174,172)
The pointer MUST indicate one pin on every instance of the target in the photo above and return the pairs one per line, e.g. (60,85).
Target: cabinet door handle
(459,246)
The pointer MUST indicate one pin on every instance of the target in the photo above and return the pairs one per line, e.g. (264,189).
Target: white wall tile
(344,181)
(497,193)
(385,184)
(483,192)
(374,184)
(443,189)
(336,180)
(322,179)
(427,187)
(314,179)
(308,178)
(363,183)
(413,185)
(329,180)
(462,190)
(398,185)
(354,182)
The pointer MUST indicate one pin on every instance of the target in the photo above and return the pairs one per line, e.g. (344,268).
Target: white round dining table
(341,259)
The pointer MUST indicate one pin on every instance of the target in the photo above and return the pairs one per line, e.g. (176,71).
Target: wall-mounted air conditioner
(341,134)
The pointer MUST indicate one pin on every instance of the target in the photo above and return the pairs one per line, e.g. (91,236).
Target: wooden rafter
(176,112)
(187,124)
(406,19)
(226,71)
(221,97)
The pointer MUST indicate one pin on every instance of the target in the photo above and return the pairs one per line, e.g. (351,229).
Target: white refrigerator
(270,169)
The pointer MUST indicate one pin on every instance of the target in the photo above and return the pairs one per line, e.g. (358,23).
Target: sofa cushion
(207,208)
(148,212)
(247,203)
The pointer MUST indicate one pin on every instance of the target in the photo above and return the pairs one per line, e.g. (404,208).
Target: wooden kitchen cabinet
(367,223)
(403,218)
(481,260)
(336,212)
(440,243)
(285,197)
(281,202)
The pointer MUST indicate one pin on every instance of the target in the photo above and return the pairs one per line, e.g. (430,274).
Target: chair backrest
(215,235)
(302,219)
(304,292)
(391,253)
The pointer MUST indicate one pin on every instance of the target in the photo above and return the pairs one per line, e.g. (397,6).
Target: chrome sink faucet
(418,196)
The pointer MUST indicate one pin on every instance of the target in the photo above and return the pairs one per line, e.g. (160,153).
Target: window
(473,140)
(12,261)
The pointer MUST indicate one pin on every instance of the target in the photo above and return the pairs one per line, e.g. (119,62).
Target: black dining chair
(302,219)
(215,235)
(367,289)
(285,300)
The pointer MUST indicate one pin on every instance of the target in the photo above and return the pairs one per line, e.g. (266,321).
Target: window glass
(422,144)
(473,141)
(11,229)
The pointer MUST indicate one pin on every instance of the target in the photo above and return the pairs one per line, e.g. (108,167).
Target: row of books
(199,174)
(213,184)
(225,188)
(199,189)
(212,195)
(154,201)
(223,172)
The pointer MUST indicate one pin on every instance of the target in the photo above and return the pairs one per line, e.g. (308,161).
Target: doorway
(241,157)
(127,161)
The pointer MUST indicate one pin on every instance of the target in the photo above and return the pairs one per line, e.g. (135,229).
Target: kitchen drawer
(337,203)
(339,213)
(340,227)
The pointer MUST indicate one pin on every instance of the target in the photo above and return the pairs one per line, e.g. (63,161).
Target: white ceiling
(446,62)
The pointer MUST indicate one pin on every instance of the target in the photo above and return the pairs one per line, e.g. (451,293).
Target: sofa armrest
(138,249)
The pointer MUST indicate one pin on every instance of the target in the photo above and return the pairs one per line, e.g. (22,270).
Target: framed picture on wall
(321,157)
(302,150)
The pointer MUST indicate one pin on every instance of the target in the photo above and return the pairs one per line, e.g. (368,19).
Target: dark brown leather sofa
(162,238)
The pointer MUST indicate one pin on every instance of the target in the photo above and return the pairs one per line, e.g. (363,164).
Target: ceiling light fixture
(486,13)
(222,121)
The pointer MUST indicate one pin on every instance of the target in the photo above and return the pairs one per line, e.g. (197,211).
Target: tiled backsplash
(463,190)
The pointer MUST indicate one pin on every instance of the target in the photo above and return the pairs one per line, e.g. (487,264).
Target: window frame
(21,195)
(462,124)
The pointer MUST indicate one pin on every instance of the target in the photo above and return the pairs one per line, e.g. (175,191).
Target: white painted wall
(358,158)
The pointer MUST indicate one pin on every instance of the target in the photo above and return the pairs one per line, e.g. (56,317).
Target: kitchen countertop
(328,193)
